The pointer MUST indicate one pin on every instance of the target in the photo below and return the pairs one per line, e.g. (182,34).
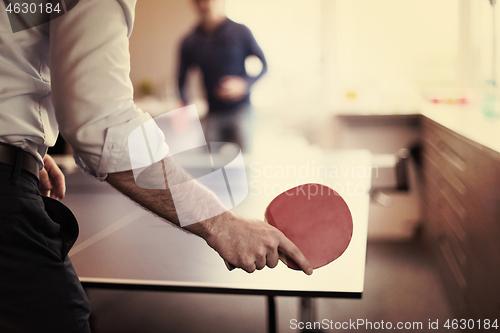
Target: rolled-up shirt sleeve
(90,83)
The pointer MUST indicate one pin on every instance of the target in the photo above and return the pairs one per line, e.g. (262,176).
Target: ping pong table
(121,246)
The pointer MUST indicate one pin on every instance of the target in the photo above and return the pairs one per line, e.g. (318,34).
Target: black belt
(10,154)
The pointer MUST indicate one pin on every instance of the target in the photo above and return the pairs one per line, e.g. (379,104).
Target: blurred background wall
(381,56)
(159,27)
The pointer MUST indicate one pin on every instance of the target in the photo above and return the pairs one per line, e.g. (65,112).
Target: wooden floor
(401,285)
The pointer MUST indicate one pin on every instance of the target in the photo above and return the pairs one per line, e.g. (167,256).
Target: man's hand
(231,89)
(248,243)
(52,182)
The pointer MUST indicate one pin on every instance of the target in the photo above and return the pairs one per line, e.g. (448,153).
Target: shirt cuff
(116,154)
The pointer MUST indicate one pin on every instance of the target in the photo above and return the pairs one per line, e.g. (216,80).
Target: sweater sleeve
(254,49)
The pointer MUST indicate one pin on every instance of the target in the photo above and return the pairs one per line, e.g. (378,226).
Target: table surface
(121,242)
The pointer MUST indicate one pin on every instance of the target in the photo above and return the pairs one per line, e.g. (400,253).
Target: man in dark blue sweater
(219,47)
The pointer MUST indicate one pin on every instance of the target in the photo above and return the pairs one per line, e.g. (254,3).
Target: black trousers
(39,289)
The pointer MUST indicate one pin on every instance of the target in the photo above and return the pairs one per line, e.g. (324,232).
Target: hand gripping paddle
(316,219)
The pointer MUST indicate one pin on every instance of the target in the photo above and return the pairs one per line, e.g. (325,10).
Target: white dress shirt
(87,94)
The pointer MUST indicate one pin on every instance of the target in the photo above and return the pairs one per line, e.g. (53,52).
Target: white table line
(116,226)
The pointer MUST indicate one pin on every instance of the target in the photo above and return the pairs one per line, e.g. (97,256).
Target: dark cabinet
(462,219)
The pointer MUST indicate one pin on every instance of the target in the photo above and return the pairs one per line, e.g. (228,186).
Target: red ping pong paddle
(316,219)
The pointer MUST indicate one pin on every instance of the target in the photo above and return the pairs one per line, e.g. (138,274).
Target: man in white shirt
(87,96)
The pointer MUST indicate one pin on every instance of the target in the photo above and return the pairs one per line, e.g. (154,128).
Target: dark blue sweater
(220,53)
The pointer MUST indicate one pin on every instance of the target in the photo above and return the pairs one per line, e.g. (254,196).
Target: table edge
(172,286)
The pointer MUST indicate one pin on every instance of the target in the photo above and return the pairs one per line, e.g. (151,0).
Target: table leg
(271,314)
(308,313)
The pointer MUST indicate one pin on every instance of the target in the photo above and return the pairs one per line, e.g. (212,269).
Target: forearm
(152,190)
